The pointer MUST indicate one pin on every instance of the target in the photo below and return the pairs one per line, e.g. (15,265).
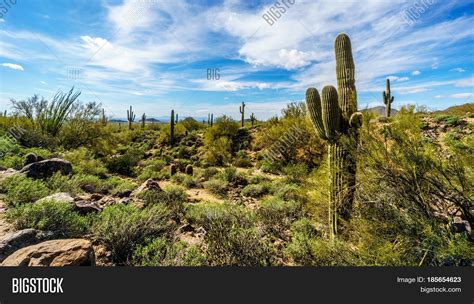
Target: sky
(201,57)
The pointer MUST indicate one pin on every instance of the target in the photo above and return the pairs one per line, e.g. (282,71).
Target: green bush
(125,163)
(48,215)
(173,197)
(229,174)
(165,252)
(277,215)
(256,191)
(296,173)
(84,162)
(449,120)
(217,187)
(209,172)
(231,236)
(20,190)
(122,227)
(242,160)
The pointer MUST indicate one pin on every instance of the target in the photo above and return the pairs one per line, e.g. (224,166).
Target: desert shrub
(287,192)
(49,117)
(77,183)
(84,162)
(242,160)
(165,135)
(291,139)
(309,249)
(191,124)
(257,179)
(449,120)
(20,189)
(229,174)
(216,186)
(277,215)
(217,154)
(232,237)
(122,227)
(165,252)
(124,163)
(256,191)
(116,184)
(173,197)
(295,173)
(209,172)
(218,141)
(48,215)
(190,182)
(269,166)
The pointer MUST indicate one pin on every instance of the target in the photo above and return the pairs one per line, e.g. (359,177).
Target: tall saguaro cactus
(103,119)
(336,120)
(143,120)
(130,118)
(242,112)
(388,99)
(253,119)
(176,119)
(172,127)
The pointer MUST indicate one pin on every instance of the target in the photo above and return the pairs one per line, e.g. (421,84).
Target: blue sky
(155,54)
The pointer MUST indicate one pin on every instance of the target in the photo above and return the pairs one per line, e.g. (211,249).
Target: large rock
(47,168)
(62,197)
(20,239)
(148,185)
(70,252)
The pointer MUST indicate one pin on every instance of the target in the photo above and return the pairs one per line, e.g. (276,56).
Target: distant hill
(152,120)
(380,110)
(460,110)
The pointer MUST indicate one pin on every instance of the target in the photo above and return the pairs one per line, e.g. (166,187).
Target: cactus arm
(331,113)
(345,72)
(313,102)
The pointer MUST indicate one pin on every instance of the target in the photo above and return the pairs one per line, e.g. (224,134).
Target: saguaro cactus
(172,127)
(143,120)
(253,119)
(130,117)
(212,119)
(103,119)
(242,111)
(388,99)
(176,120)
(335,120)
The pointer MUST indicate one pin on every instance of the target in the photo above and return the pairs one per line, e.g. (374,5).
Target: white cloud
(416,73)
(2,20)
(13,66)
(459,70)
(43,82)
(464,83)
(463,95)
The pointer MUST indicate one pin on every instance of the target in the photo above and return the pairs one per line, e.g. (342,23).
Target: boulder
(148,185)
(7,173)
(123,193)
(86,207)
(69,252)
(47,168)
(19,239)
(62,197)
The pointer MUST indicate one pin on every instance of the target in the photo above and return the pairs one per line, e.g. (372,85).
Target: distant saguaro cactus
(189,170)
(336,120)
(388,99)
(212,119)
(130,117)
(172,127)
(173,169)
(242,112)
(103,119)
(176,120)
(253,119)
(143,120)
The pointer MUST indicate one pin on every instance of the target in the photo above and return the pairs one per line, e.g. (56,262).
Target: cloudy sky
(208,56)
